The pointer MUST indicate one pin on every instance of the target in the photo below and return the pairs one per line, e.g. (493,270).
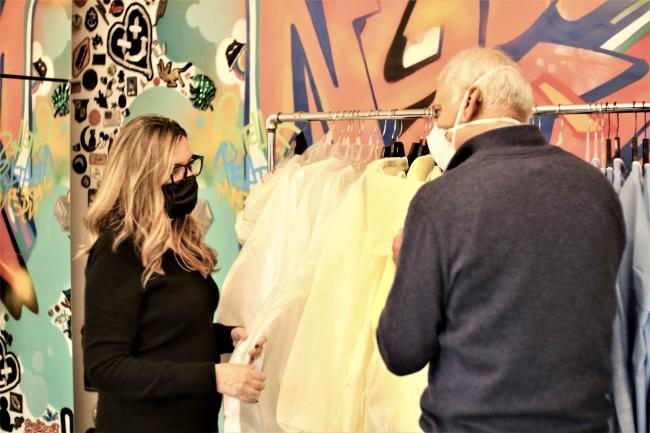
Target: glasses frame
(187,168)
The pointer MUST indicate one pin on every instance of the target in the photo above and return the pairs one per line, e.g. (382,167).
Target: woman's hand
(242,382)
(239,334)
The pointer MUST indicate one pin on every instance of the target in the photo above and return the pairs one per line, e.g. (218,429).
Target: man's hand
(397,245)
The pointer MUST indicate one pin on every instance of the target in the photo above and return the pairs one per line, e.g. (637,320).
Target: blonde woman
(151,348)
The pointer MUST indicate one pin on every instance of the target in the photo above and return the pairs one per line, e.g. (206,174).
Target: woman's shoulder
(105,247)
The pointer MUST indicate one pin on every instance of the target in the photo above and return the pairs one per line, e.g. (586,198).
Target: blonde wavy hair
(130,200)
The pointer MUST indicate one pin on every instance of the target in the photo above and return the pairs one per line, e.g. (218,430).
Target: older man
(506,275)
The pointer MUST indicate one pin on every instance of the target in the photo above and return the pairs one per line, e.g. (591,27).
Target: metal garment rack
(274,120)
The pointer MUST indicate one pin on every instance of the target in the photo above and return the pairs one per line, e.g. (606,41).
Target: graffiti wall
(338,55)
(35,314)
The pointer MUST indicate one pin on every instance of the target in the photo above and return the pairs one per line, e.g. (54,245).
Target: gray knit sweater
(505,289)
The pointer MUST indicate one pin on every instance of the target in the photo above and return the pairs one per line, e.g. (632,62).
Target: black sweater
(151,352)
(505,287)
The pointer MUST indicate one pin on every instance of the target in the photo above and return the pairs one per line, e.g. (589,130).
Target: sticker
(89,144)
(81,57)
(79,164)
(105,139)
(97,41)
(162,7)
(102,11)
(92,19)
(116,8)
(89,79)
(75,87)
(15,402)
(61,99)
(112,118)
(121,101)
(131,86)
(99,59)
(85,181)
(112,69)
(95,173)
(94,117)
(41,68)
(80,108)
(92,192)
(202,95)
(120,89)
(172,76)
(10,372)
(98,159)
(101,100)
(233,52)
(109,89)
(126,113)
(120,76)
(129,41)
(159,50)
(76,23)
(80,3)
(76,148)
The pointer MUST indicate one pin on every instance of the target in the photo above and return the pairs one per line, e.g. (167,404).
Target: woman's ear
(472,105)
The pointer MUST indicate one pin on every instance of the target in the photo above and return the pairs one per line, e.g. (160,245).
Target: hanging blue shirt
(633,310)
(619,173)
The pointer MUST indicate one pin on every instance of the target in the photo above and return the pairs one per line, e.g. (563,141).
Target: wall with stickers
(35,334)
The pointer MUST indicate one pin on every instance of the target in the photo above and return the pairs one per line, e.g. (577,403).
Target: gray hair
(506,91)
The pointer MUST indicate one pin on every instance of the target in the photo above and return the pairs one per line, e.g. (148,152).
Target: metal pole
(543,110)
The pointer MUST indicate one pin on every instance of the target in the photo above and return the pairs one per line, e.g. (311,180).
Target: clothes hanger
(421,148)
(635,144)
(608,141)
(587,144)
(596,137)
(388,150)
(617,139)
(645,144)
(398,146)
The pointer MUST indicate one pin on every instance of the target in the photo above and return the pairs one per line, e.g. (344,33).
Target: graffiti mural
(323,56)
(35,355)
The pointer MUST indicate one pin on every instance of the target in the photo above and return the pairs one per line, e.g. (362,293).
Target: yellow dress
(332,381)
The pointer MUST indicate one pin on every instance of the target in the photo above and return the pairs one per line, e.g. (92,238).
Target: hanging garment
(278,317)
(352,263)
(253,273)
(259,196)
(634,290)
(633,305)
(646,187)
(618,178)
(266,257)
(260,193)
(373,398)
(392,402)
(609,174)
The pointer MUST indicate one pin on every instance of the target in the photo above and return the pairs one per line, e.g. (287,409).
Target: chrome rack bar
(274,120)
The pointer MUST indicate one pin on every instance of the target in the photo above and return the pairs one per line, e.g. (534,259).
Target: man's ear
(471,105)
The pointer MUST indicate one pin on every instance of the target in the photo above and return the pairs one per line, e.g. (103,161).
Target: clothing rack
(274,120)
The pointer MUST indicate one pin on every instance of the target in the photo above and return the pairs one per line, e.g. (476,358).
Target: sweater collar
(499,138)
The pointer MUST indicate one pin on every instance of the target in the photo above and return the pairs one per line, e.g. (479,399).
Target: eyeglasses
(183,171)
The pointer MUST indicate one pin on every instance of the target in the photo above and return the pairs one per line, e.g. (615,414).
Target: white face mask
(442,150)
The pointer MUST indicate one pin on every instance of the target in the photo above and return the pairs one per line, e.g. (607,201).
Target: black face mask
(180,198)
